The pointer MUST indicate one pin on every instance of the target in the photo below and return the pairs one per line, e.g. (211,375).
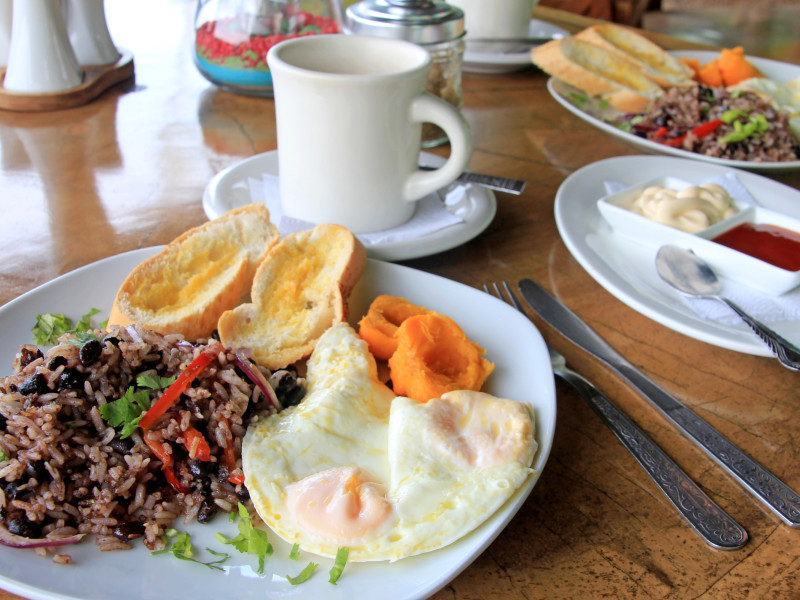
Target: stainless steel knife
(770,490)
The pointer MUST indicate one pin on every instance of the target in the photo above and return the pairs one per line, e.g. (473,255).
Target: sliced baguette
(598,72)
(655,62)
(198,276)
(299,292)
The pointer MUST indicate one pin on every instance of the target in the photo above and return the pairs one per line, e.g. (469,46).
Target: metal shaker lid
(418,21)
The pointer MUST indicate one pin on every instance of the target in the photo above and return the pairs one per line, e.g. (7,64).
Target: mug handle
(428,108)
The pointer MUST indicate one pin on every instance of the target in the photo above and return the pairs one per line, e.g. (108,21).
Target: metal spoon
(688,273)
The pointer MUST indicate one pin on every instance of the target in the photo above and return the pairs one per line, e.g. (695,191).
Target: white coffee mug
(496,18)
(349,112)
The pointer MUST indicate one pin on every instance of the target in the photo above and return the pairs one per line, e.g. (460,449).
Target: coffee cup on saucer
(349,113)
(496,19)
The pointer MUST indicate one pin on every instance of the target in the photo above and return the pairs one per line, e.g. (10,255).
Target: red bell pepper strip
(173,480)
(229,456)
(166,464)
(193,438)
(173,392)
(699,131)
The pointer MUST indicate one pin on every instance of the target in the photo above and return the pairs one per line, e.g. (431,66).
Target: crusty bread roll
(198,276)
(655,62)
(299,292)
(598,72)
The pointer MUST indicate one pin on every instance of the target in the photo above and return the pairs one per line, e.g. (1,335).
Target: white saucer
(626,268)
(230,188)
(491,62)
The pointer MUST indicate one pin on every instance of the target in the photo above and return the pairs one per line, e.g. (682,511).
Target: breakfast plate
(480,61)
(522,372)
(773,69)
(626,268)
(235,185)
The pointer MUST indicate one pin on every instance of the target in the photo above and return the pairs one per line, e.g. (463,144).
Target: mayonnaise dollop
(691,209)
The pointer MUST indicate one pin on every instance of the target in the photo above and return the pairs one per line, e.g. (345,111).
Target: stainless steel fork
(716,526)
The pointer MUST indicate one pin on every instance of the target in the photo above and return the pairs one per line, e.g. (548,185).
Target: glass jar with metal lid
(434,25)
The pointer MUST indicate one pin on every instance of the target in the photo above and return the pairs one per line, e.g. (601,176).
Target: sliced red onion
(17,541)
(134,334)
(257,377)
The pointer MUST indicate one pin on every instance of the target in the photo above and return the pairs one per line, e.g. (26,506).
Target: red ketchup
(770,243)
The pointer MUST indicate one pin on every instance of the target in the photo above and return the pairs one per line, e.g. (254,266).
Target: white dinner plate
(230,188)
(773,69)
(627,269)
(494,62)
(522,372)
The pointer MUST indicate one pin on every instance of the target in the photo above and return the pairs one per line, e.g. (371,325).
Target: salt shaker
(434,25)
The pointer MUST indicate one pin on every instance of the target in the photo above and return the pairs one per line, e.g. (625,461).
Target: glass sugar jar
(434,25)
(232,37)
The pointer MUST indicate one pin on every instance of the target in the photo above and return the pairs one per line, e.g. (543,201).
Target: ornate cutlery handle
(717,527)
(787,353)
(774,493)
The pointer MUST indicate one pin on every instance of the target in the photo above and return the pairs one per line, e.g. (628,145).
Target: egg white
(388,477)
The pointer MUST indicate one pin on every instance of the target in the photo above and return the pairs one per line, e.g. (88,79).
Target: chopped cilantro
(294,552)
(338,565)
(49,327)
(182,548)
(126,411)
(81,337)
(3,456)
(304,574)
(154,382)
(250,540)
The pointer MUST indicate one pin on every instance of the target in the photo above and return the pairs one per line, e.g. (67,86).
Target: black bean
(71,379)
(223,473)
(35,384)
(90,352)
(287,390)
(23,527)
(129,530)
(110,339)
(121,446)
(11,489)
(57,361)
(207,510)
(203,468)
(37,470)
(28,354)
(243,494)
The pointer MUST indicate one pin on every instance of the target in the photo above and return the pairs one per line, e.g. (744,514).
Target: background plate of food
(771,146)
(522,373)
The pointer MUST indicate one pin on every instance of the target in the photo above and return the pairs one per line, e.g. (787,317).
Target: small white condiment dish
(726,262)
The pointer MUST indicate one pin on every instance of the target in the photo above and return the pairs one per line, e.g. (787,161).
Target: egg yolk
(343,505)
(480,431)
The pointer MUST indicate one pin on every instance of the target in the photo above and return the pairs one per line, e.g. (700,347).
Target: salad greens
(49,327)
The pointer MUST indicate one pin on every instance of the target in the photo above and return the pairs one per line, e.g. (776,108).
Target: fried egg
(388,477)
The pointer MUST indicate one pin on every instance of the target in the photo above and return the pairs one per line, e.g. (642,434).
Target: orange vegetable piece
(379,325)
(734,67)
(693,64)
(435,356)
(710,74)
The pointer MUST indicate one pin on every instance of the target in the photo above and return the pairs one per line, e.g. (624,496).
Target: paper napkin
(431,214)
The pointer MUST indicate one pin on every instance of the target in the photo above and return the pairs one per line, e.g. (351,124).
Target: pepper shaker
(432,24)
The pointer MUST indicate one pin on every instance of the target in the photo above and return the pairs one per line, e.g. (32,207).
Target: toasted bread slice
(598,72)
(198,276)
(299,291)
(655,62)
